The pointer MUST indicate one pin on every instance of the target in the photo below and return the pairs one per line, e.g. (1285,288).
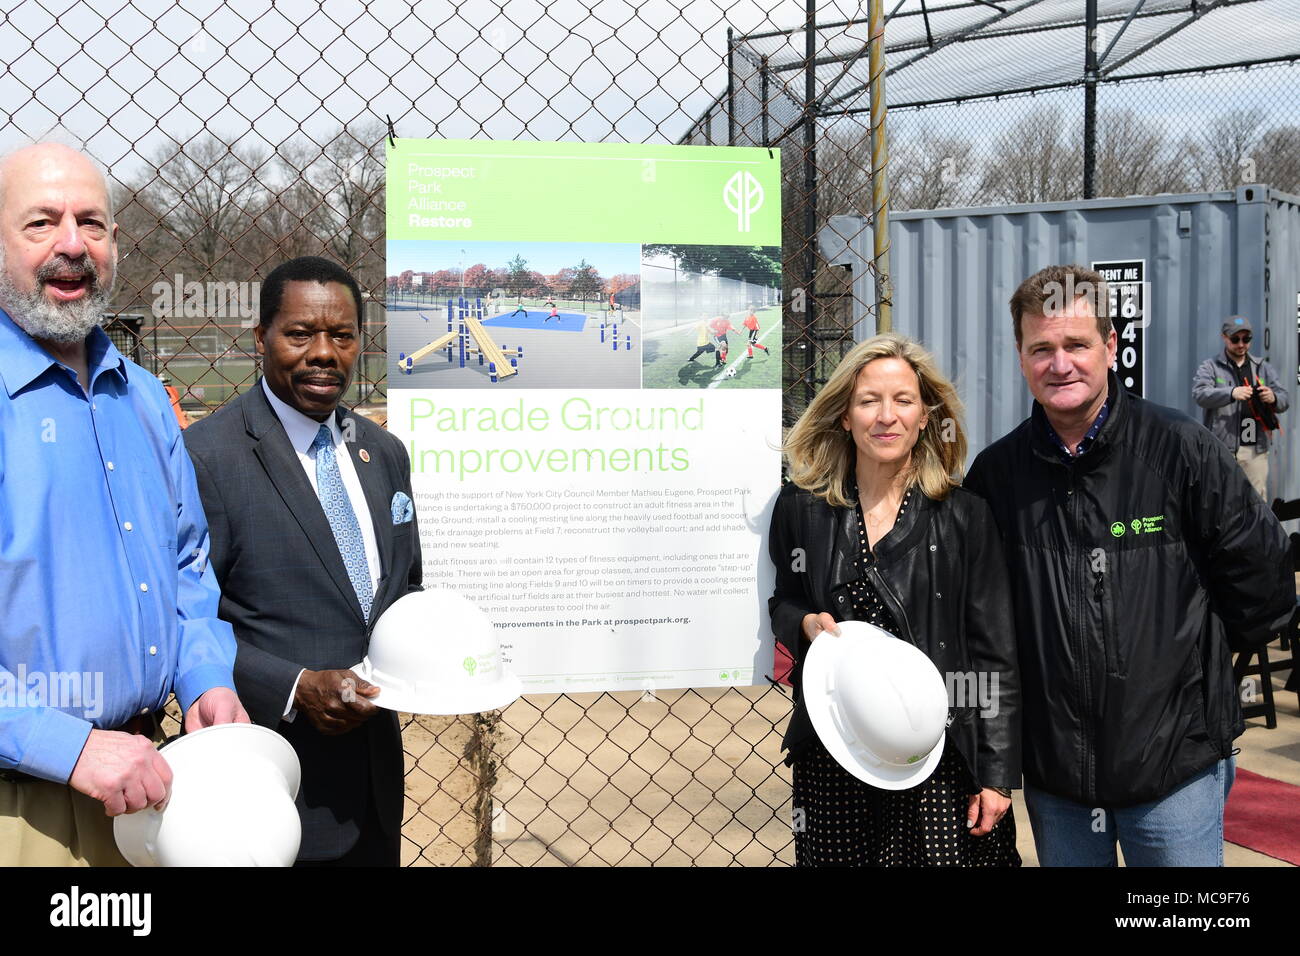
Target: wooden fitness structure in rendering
(463,329)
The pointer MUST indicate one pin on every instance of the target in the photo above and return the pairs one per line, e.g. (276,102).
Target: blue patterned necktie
(343,520)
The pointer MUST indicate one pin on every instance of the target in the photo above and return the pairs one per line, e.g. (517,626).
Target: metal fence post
(482,756)
(1090,103)
(731,88)
(810,189)
(879,169)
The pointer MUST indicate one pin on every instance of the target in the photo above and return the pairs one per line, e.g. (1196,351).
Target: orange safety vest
(181,418)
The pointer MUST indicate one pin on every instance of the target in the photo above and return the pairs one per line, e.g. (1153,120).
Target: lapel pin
(364,455)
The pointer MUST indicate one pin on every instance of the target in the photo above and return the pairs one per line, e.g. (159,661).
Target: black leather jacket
(942,575)
(1137,565)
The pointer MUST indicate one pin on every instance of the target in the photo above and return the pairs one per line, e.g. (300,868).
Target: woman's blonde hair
(822,455)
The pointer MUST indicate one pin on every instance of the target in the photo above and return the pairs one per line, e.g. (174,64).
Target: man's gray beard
(48,321)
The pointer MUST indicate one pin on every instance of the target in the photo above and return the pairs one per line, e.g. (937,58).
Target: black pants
(374,847)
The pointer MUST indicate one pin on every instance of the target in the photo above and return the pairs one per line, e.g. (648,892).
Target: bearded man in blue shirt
(107,602)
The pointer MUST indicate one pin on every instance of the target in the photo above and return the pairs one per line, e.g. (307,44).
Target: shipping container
(1182,263)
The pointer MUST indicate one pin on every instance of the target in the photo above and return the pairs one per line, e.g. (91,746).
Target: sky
(132,76)
(129,76)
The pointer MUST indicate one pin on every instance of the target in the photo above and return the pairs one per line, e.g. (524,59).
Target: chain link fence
(240,134)
(998,104)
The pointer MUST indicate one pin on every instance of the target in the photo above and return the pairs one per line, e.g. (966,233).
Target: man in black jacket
(1138,555)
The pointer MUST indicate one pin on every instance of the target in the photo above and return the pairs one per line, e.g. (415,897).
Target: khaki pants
(1255,464)
(50,824)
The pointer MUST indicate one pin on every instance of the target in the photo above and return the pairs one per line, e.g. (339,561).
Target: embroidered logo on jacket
(1145,525)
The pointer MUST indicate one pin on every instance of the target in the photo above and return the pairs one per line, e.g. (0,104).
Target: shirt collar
(23,360)
(302,430)
(1088,438)
(1232,363)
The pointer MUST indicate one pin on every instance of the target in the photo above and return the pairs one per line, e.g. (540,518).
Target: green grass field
(665,365)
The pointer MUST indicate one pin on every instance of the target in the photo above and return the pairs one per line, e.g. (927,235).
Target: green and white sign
(460,190)
(584,355)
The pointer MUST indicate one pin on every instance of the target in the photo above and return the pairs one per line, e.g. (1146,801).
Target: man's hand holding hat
(122,771)
(335,701)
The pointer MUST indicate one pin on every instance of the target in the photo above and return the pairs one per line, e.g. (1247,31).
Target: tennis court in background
(539,319)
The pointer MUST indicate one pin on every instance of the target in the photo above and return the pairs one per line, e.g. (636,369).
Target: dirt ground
(685,777)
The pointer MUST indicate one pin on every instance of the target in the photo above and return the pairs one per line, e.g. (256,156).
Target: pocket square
(403,510)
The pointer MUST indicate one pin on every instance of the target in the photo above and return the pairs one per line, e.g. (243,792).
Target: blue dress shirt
(107,601)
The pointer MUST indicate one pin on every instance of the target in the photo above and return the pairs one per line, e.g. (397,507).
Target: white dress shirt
(302,433)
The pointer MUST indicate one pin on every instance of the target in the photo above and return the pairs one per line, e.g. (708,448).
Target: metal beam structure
(879,172)
(810,191)
(1198,11)
(955,38)
(1115,39)
(1090,102)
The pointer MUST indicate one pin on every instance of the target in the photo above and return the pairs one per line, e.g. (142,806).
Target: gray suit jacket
(286,592)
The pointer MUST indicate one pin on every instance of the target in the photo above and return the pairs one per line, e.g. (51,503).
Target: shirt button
(153,651)
(144,710)
(94,407)
(126,525)
(934,547)
(109,464)
(143,586)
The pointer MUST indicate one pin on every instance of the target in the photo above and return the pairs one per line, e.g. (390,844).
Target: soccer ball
(731,372)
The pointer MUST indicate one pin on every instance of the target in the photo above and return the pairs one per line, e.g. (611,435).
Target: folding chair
(1289,641)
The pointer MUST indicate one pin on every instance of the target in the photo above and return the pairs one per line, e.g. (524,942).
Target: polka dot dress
(841,821)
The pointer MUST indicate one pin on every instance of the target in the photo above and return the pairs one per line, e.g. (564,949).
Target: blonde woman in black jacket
(874,527)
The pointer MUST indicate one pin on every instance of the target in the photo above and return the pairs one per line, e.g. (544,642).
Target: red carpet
(782,664)
(1263,815)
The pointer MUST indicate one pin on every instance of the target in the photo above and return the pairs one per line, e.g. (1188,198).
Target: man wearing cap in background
(313,537)
(107,602)
(1242,397)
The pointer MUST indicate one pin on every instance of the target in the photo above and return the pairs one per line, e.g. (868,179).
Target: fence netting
(240,134)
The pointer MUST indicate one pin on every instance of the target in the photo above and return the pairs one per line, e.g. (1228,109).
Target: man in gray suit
(313,537)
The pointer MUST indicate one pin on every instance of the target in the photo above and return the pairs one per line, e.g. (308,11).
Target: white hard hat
(434,652)
(233,787)
(878,704)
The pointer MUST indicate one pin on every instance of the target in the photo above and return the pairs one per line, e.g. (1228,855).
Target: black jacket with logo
(941,573)
(1134,567)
